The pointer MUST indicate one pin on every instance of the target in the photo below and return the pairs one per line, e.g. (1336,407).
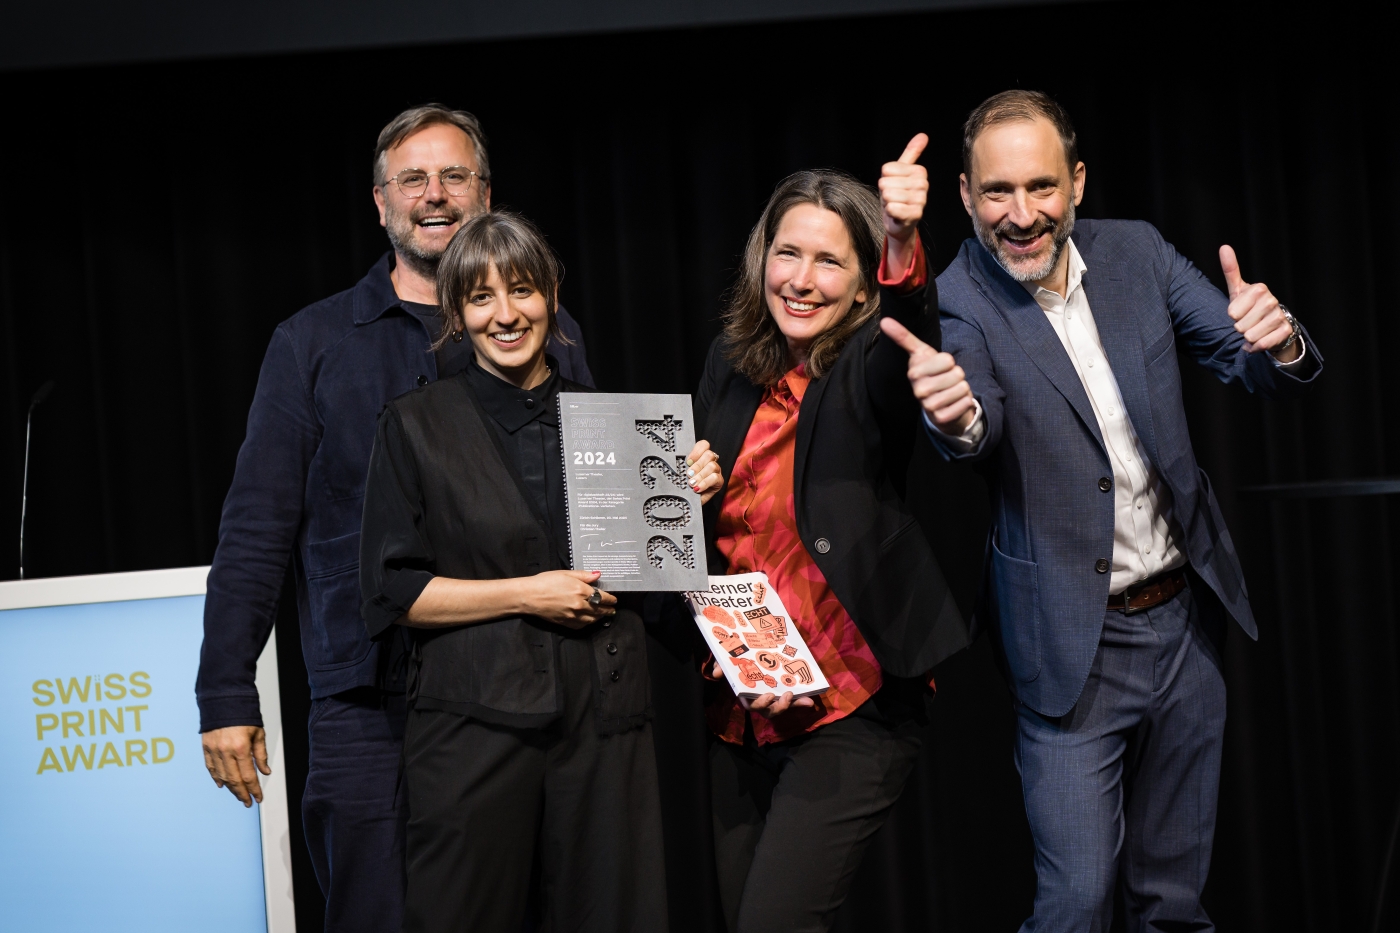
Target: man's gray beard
(1059,236)
(400,228)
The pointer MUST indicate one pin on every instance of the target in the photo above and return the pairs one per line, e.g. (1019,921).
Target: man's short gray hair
(416,118)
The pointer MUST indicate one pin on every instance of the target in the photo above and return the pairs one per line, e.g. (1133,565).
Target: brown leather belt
(1148,593)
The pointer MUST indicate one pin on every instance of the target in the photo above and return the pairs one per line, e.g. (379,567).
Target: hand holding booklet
(753,638)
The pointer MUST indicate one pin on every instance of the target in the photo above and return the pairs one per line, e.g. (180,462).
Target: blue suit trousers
(1123,788)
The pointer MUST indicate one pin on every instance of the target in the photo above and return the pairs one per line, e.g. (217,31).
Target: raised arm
(908,354)
(908,294)
(1239,337)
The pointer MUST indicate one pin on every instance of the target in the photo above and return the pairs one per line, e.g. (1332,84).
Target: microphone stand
(39,395)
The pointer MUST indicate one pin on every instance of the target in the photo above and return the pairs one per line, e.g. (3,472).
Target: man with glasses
(296,498)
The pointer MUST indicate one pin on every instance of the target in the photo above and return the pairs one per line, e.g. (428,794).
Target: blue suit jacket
(1043,597)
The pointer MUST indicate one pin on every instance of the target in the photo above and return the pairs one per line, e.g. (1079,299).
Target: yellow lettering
(79,756)
(45,722)
(140,687)
(66,694)
(72,720)
(44,689)
(105,717)
(109,756)
(139,753)
(136,711)
(92,723)
(97,686)
(116,690)
(156,759)
(49,762)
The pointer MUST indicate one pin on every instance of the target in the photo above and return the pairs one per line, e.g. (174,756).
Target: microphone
(39,395)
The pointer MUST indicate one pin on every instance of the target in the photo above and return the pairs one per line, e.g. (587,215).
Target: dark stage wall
(159,220)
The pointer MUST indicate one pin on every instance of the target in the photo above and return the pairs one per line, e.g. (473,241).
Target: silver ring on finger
(595,599)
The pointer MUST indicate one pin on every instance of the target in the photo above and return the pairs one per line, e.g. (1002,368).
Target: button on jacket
(298,487)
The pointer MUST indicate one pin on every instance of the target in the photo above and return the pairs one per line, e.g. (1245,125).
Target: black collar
(374,295)
(513,408)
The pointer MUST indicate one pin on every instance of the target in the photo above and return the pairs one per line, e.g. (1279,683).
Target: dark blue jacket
(1052,521)
(298,488)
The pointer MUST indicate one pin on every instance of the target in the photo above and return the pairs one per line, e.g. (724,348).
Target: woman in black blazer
(808,408)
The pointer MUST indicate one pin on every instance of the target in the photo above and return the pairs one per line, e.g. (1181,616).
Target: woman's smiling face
(812,277)
(508,322)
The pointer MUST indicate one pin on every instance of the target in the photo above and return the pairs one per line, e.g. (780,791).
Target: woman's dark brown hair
(518,251)
(752,340)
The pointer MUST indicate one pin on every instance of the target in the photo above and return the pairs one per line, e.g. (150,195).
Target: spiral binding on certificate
(564,465)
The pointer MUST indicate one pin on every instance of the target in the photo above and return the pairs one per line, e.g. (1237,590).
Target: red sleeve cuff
(914,278)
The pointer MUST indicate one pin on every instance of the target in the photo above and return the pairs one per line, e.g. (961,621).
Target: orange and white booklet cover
(752,636)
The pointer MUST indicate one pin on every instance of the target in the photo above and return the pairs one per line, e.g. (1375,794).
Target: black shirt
(527,422)
(453,356)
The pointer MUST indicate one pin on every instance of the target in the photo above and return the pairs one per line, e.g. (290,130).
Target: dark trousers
(1123,788)
(792,820)
(484,799)
(353,810)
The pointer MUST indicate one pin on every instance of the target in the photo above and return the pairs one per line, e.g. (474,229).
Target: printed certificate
(631,511)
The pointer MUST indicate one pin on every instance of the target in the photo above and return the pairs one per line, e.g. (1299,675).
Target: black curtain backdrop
(158,221)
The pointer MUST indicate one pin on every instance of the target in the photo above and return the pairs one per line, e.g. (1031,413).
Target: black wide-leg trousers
(483,799)
(792,820)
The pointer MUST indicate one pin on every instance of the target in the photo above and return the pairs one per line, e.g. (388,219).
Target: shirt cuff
(1302,355)
(222,712)
(401,590)
(968,440)
(914,278)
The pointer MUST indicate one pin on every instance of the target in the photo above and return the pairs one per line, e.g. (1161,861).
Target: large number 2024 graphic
(665,512)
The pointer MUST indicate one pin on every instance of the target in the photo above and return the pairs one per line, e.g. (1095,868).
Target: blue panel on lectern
(110,821)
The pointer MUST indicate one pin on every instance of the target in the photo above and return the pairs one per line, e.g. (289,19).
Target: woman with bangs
(529,733)
(806,403)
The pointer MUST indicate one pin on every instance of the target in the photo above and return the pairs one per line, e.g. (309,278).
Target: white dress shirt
(1143,541)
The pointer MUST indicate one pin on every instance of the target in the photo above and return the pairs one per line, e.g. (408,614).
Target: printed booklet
(753,638)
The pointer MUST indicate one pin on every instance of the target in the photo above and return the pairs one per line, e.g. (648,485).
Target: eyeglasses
(456,180)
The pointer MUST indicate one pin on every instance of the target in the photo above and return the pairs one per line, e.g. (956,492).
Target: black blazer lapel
(1105,287)
(1027,321)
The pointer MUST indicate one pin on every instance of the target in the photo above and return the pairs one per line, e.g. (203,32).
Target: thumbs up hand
(1256,312)
(937,380)
(904,190)
(903,196)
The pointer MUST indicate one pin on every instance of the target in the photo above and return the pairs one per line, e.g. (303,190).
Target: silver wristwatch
(1293,323)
